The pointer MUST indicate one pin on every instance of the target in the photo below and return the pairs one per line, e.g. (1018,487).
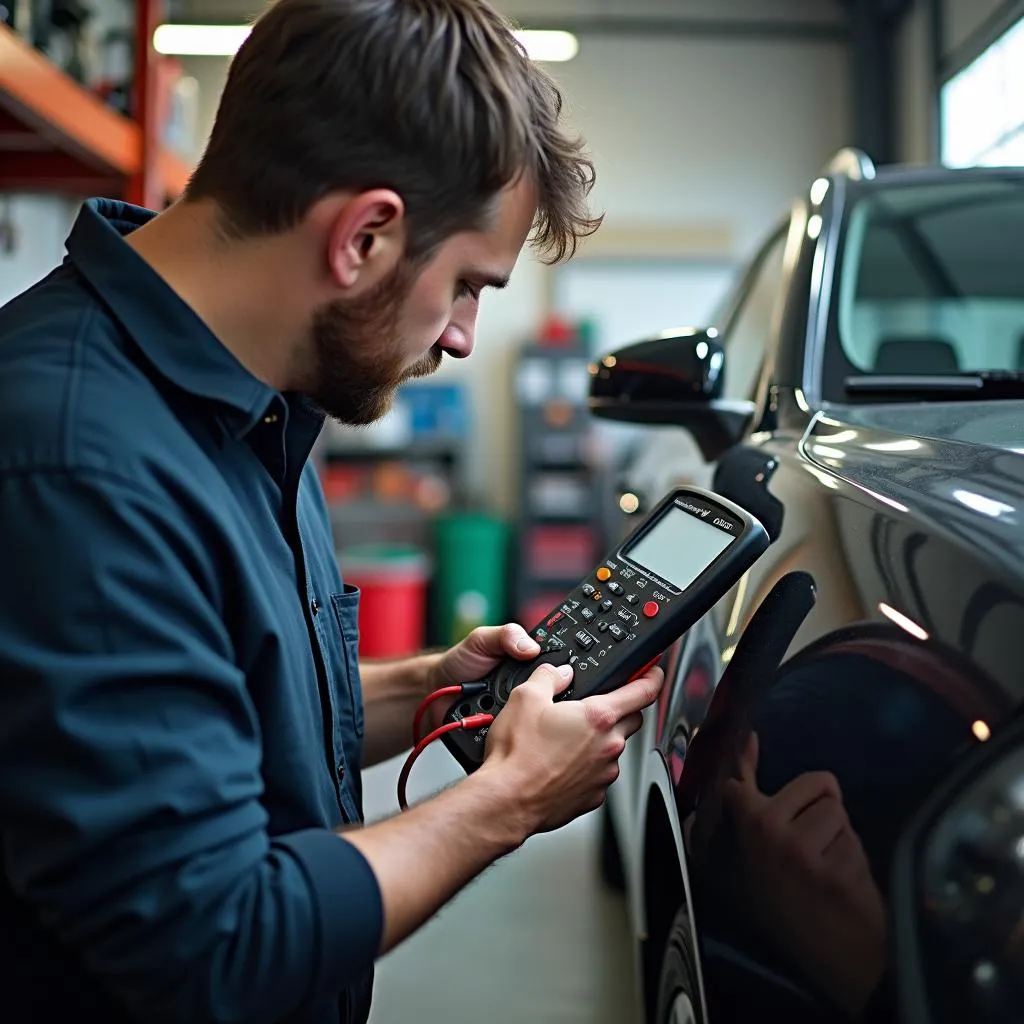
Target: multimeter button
(627,617)
(632,599)
(617,631)
(604,574)
(607,604)
(602,626)
(651,609)
(584,640)
(615,588)
(588,590)
(587,614)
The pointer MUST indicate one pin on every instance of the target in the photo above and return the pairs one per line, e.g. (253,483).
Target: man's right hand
(557,759)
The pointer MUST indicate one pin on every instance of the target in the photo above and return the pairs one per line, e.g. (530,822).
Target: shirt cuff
(348,906)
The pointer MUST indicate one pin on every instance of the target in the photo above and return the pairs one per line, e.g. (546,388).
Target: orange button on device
(604,574)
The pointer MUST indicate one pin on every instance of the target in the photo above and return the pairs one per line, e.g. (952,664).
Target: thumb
(743,788)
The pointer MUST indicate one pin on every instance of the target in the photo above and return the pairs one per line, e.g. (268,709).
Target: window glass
(932,279)
(983,107)
(746,336)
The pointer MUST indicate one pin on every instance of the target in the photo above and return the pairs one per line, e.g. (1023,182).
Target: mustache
(430,363)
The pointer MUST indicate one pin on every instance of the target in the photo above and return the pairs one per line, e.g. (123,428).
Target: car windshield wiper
(950,386)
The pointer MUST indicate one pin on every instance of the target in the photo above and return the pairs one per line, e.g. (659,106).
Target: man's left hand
(471,660)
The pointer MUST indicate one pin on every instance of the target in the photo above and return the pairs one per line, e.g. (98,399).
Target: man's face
(364,349)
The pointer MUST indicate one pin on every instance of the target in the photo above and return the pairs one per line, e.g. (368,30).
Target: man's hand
(471,660)
(546,764)
(475,656)
(560,758)
(807,881)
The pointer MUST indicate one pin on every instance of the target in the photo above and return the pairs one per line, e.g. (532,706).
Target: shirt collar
(169,333)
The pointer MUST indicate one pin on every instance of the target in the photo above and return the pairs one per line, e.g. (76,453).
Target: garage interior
(705,119)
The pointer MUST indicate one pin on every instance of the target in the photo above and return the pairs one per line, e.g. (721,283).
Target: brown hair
(435,99)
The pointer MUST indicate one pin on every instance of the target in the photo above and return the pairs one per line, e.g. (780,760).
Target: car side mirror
(674,378)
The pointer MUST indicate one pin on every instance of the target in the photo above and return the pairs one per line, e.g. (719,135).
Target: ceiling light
(224,41)
(200,40)
(549,46)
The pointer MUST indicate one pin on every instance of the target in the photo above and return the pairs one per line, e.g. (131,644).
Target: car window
(746,335)
(933,279)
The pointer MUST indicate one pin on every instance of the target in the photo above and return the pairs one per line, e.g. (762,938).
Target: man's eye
(468,291)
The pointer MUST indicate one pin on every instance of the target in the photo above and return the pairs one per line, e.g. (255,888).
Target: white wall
(41,224)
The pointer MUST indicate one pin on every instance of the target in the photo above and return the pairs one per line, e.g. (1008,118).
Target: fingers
(495,641)
(746,768)
(550,679)
(819,826)
(631,725)
(629,699)
(797,795)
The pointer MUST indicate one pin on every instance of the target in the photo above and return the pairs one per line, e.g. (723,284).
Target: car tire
(678,987)
(610,856)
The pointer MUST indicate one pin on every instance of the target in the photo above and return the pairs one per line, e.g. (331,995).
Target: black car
(862,394)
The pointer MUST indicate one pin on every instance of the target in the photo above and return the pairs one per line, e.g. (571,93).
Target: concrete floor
(550,944)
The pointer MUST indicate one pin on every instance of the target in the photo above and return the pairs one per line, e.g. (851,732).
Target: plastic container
(471,581)
(392,606)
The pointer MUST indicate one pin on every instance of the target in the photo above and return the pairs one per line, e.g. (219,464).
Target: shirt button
(272,418)
(314,606)
(341,770)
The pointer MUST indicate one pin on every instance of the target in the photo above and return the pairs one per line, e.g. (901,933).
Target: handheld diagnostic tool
(685,556)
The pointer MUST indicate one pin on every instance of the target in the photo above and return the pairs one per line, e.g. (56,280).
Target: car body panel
(891,606)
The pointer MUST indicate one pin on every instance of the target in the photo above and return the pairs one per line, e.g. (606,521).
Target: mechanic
(182,722)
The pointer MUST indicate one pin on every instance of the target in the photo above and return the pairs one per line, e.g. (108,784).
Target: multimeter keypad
(591,622)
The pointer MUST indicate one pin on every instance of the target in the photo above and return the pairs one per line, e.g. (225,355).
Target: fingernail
(565,671)
(526,644)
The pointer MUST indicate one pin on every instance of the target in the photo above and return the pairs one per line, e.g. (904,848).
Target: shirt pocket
(346,614)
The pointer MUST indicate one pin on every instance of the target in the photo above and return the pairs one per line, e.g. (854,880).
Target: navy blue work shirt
(180,708)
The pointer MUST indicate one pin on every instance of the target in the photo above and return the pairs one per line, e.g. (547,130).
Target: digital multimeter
(668,573)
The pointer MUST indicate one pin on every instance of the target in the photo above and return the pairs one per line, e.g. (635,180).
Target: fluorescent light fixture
(814,225)
(224,41)
(200,40)
(552,47)
(903,621)
(819,190)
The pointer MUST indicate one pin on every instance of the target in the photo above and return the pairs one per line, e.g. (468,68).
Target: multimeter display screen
(679,547)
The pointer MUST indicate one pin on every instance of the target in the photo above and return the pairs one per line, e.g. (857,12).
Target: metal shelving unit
(560,524)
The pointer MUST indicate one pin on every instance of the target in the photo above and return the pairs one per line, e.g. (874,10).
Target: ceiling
(797,17)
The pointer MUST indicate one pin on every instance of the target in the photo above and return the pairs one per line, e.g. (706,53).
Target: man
(182,724)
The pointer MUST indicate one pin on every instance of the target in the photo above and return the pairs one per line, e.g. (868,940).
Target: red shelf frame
(55,136)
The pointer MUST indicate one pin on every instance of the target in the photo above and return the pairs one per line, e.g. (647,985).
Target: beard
(357,365)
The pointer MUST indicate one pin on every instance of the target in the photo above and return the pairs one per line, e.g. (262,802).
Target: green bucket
(471,578)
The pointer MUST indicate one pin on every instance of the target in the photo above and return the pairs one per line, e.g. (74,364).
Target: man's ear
(366,240)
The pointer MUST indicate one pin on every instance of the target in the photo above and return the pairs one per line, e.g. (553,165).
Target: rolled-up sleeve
(130,785)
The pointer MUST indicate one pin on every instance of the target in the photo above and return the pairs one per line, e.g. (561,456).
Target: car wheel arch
(664,883)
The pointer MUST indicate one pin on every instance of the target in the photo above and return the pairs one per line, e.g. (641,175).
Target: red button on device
(651,609)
